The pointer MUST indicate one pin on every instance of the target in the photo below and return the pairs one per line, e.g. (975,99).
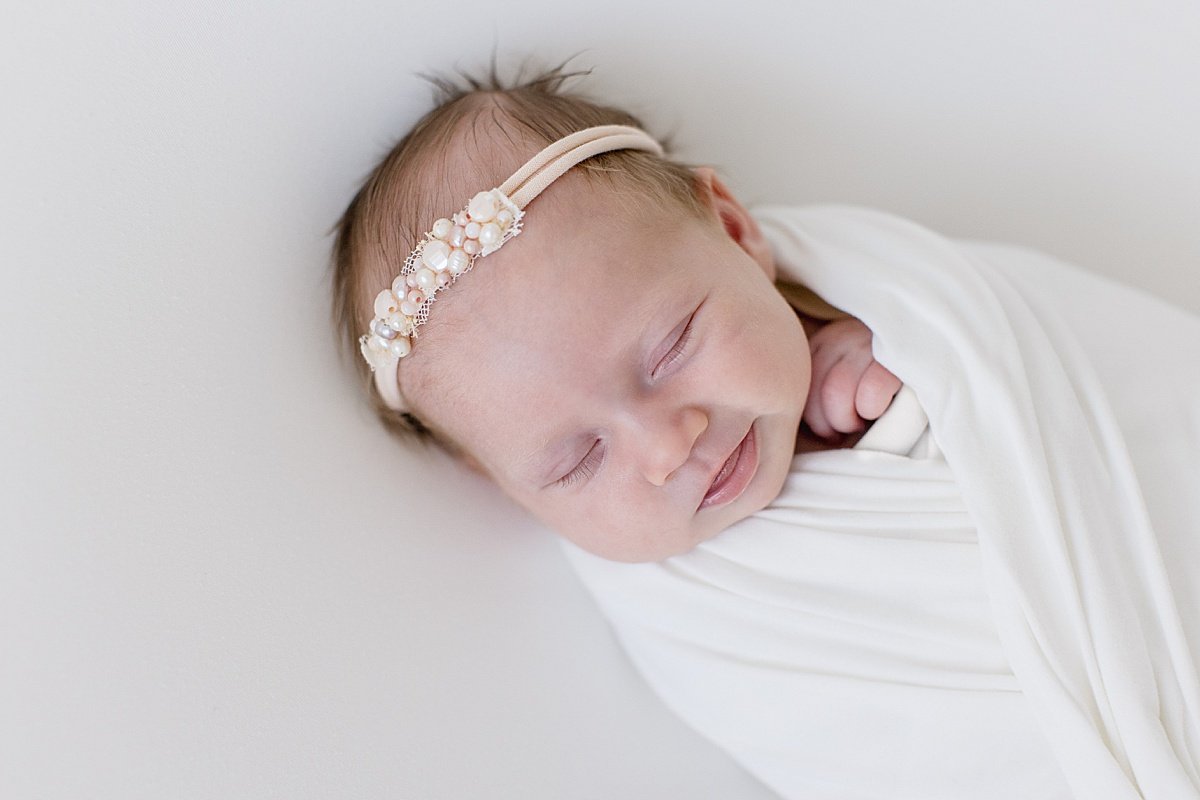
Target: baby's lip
(737,477)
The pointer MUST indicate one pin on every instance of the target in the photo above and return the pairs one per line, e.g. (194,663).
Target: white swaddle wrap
(1020,618)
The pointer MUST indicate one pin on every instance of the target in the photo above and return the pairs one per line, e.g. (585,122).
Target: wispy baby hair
(479,131)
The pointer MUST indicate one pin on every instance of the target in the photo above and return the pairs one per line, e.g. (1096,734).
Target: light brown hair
(480,130)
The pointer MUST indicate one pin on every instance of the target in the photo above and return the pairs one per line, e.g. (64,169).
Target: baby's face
(604,365)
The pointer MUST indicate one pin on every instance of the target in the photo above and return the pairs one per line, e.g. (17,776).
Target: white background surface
(206,589)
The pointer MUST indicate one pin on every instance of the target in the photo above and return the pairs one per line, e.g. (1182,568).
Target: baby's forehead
(582,283)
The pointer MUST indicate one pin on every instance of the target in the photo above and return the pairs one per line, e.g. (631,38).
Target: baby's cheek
(619,531)
(575,514)
(773,362)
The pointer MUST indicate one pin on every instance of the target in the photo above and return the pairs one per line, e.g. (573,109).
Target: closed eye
(584,469)
(677,349)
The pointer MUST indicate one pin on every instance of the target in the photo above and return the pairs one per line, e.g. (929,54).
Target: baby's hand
(848,385)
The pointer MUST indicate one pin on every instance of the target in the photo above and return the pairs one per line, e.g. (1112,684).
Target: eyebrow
(545,463)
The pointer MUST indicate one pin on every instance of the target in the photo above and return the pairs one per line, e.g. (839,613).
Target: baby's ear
(734,217)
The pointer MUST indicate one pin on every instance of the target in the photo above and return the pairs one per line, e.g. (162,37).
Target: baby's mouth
(735,474)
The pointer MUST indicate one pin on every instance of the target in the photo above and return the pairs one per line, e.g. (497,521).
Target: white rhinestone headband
(451,247)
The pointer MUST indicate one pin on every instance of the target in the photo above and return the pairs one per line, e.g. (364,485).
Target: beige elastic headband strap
(526,184)
(547,166)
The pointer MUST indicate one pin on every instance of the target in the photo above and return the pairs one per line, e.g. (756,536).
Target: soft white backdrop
(206,588)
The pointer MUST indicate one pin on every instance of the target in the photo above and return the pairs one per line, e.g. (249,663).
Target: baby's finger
(840,389)
(814,412)
(823,358)
(821,400)
(875,391)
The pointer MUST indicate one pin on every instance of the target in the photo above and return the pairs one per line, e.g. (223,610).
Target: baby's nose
(666,443)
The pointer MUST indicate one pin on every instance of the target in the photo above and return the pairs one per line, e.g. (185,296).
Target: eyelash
(587,467)
(675,352)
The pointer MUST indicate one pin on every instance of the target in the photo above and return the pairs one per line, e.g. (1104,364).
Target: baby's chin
(659,545)
(649,546)
(761,493)
(774,466)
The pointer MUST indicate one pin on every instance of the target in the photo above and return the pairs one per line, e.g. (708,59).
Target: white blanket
(1018,618)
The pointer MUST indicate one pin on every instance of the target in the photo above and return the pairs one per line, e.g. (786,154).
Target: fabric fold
(995,593)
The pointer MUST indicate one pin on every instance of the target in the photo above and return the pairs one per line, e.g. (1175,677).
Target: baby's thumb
(875,391)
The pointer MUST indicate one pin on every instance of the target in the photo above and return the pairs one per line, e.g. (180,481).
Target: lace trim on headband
(448,250)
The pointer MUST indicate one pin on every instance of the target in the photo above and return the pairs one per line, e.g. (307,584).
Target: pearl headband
(452,246)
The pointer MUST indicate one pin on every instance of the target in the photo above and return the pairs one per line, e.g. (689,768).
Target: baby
(627,363)
(626,370)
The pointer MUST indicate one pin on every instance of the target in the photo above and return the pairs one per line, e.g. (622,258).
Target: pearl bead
(415,296)
(426,279)
(471,247)
(458,261)
(399,323)
(400,346)
(443,278)
(457,236)
(385,303)
(504,217)
(399,287)
(410,279)
(472,230)
(408,307)
(490,235)
(434,254)
(383,330)
(377,344)
(483,207)
(441,228)
(460,219)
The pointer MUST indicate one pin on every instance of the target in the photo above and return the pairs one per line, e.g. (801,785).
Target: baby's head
(607,366)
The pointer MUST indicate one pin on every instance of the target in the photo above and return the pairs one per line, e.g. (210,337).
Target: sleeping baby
(950,587)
